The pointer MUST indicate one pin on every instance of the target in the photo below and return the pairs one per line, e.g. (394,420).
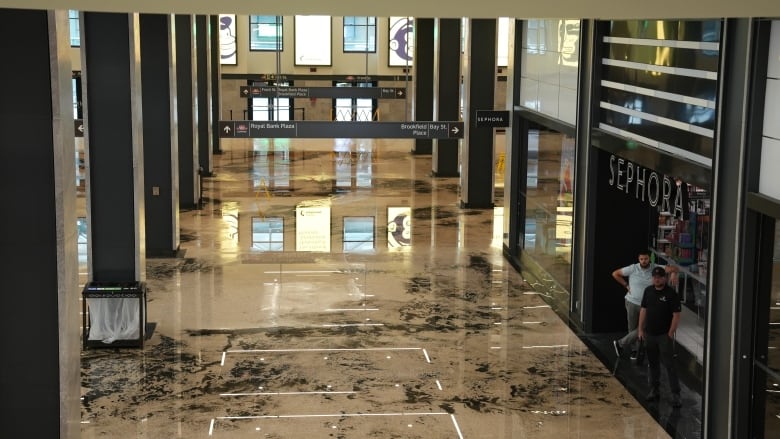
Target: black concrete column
(423,78)
(203,101)
(446,93)
(114,145)
(515,169)
(189,188)
(40,373)
(161,156)
(216,75)
(585,298)
(721,359)
(479,82)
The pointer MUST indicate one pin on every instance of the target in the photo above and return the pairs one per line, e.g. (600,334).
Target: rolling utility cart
(114,314)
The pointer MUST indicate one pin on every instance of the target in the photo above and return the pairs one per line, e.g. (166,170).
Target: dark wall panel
(683,30)
(155,78)
(448,94)
(482,77)
(423,78)
(204,99)
(185,111)
(28,239)
(106,47)
(680,59)
(622,230)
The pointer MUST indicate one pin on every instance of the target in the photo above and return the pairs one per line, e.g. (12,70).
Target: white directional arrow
(455,130)
(81,128)
(400,92)
(245,92)
(226,129)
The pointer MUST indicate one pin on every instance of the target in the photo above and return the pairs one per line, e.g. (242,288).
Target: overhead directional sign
(336,130)
(324,92)
(491,118)
(78,127)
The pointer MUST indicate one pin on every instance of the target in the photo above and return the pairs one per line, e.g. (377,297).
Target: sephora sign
(648,186)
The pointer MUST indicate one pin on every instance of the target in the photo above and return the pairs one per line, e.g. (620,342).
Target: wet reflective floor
(333,289)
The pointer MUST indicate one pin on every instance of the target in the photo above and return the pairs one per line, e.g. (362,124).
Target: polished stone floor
(429,333)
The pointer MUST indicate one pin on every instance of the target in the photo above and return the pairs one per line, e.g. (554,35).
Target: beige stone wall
(232,100)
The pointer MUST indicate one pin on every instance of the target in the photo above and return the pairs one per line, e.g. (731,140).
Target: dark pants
(659,347)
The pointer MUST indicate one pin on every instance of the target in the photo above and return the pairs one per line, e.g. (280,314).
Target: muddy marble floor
(334,289)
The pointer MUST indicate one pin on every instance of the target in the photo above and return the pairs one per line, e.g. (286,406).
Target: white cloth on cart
(112,319)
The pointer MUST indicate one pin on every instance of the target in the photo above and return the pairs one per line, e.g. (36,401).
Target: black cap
(659,271)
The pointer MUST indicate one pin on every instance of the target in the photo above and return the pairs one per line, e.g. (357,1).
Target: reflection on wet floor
(427,333)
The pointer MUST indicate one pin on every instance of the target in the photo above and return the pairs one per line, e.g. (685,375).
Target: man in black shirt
(658,320)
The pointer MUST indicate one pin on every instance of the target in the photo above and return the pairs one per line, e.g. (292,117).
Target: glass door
(354,109)
(263,108)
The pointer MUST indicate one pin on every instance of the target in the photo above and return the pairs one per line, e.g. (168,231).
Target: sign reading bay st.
(323,92)
(315,129)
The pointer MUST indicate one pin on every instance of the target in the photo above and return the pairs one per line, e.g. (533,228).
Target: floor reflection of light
(457,427)
(335,415)
(549,412)
(498,227)
(275,294)
(324,392)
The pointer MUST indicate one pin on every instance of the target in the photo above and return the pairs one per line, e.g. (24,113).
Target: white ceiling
(431,8)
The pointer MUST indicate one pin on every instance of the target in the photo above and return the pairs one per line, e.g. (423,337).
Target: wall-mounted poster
(399,227)
(312,40)
(228,48)
(401,41)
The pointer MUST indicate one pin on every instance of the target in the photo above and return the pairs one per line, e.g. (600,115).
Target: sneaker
(618,349)
(653,395)
(676,400)
(633,355)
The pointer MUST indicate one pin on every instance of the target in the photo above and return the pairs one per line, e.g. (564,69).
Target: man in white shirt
(635,278)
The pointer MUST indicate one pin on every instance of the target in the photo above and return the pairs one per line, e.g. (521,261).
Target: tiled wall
(770,151)
(549,67)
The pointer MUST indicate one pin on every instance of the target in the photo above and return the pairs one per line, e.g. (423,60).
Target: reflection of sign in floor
(399,227)
(78,127)
(337,130)
(312,228)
